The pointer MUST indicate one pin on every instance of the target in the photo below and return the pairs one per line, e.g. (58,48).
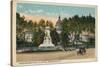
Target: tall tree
(55,37)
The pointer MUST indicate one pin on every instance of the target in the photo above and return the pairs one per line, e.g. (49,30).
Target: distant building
(28,36)
(85,36)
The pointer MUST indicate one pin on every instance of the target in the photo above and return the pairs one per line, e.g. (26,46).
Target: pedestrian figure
(81,51)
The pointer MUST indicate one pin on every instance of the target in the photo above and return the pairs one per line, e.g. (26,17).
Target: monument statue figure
(47,39)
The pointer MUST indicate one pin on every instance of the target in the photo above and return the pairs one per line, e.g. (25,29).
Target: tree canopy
(69,26)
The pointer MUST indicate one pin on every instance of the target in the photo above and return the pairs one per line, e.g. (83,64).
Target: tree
(30,25)
(35,26)
(55,37)
(20,22)
(64,39)
(38,37)
(49,23)
(42,23)
(76,25)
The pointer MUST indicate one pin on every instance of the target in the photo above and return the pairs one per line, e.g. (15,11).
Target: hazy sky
(53,11)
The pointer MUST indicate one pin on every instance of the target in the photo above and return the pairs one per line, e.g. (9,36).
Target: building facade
(28,36)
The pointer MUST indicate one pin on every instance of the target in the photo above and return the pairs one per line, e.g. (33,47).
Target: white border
(48,3)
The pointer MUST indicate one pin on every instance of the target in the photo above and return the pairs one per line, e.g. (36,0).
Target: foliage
(73,25)
(36,27)
(38,38)
(76,25)
(54,36)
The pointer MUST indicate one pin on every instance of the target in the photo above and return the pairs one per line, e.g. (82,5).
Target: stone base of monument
(48,49)
(40,49)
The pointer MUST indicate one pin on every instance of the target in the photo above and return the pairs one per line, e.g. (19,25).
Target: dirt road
(57,55)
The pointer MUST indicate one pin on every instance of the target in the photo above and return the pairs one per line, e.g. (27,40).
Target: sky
(53,10)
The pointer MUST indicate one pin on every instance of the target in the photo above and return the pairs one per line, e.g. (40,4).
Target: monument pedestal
(47,43)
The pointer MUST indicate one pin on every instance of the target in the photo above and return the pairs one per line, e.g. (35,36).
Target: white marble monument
(47,39)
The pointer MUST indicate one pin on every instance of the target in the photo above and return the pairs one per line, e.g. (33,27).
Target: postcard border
(13,29)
